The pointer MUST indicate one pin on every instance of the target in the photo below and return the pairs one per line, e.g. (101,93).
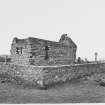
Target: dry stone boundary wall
(47,75)
(27,73)
(64,73)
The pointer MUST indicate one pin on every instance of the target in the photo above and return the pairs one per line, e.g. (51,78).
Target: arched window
(19,50)
(46,51)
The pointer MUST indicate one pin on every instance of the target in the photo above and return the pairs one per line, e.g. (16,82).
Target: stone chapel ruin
(39,52)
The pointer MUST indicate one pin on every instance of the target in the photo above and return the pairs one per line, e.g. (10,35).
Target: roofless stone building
(39,52)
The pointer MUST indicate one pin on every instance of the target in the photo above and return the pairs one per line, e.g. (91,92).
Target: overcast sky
(82,20)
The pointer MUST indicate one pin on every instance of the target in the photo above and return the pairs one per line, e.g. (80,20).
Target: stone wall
(27,73)
(20,58)
(57,55)
(65,73)
(47,75)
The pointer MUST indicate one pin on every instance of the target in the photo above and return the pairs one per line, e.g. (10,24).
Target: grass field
(73,92)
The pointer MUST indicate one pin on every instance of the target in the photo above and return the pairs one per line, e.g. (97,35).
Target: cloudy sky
(82,20)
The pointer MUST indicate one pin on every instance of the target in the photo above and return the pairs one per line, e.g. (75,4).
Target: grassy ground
(73,92)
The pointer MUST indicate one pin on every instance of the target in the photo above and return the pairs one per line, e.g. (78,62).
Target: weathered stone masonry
(34,51)
(47,75)
(64,73)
